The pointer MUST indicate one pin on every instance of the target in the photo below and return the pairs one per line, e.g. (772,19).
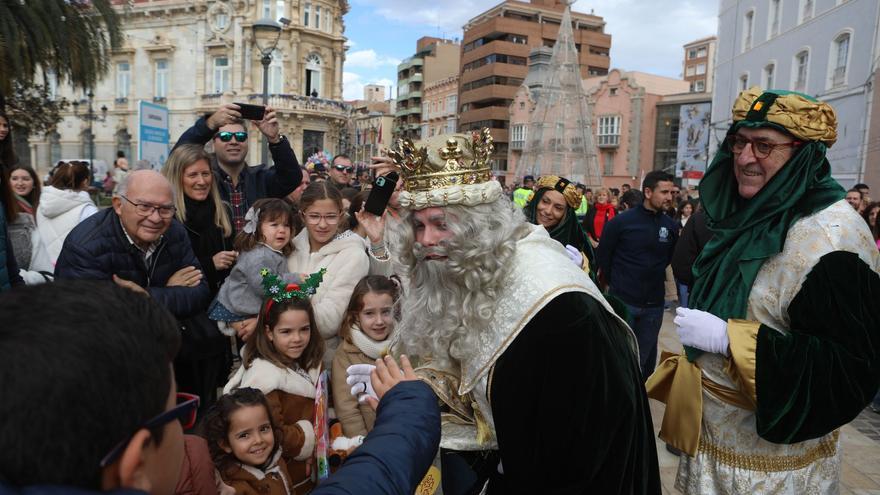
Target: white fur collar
(266,377)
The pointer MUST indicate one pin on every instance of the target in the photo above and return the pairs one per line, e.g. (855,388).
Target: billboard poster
(693,140)
(153,135)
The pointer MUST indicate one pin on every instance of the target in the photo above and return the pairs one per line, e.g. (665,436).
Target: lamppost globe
(266,28)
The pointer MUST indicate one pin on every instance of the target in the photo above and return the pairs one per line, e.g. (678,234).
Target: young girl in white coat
(320,245)
(283,360)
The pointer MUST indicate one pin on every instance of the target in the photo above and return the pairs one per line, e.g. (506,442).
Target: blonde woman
(206,219)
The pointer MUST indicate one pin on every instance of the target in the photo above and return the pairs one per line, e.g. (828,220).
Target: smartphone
(251,112)
(380,194)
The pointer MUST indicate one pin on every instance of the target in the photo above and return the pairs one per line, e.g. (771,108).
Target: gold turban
(803,117)
(564,186)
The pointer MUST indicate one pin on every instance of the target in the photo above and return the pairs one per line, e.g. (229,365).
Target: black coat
(694,236)
(207,240)
(98,248)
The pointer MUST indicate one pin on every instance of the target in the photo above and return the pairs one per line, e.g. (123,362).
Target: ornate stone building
(191,56)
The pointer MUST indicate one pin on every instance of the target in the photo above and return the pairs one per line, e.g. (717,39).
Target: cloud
(368,59)
(646,35)
(353,85)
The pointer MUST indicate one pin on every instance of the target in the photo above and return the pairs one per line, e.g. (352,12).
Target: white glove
(359,379)
(576,257)
(702,330)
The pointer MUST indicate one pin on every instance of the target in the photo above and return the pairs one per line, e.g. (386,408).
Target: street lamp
(267,27)
(90,117)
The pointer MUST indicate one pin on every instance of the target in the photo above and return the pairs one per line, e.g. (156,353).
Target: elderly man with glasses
(139,245)
(240,183)
(782,337)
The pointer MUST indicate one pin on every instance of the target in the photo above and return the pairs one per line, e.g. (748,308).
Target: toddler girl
(367,331)
(245,444)
(283,360)
(263,243)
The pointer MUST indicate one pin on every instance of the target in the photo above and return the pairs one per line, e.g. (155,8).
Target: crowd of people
(470,339)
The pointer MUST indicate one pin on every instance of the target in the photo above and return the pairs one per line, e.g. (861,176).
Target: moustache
(421,252)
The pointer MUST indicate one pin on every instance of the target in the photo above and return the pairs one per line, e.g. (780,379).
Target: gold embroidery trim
(741,366)
(827,447)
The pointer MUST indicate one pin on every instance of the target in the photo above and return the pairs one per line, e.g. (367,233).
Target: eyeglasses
(145,210)
(185,411)
(315,218)
(226,136)
(761,149)
(343,168)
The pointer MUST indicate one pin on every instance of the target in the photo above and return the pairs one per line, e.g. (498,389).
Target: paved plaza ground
(860,440)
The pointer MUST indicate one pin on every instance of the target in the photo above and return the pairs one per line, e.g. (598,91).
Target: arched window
(313,75)
(840,59)
(769,76)
(123,142)
(54,147)
(276,73)
(800,69)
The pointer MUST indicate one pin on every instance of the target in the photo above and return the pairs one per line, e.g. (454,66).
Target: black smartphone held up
(251,112)
(380,194)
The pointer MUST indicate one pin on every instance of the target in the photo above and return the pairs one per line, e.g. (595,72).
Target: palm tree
(72,38)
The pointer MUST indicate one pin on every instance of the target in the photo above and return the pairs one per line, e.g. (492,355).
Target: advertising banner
(693,140)
(153,135)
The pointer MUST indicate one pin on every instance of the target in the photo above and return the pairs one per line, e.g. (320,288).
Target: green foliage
(31,107)
(73,38)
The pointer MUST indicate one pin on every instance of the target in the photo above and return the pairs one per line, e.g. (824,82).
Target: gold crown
(444,161)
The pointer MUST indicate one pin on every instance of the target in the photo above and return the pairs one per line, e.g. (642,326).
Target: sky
(646,35)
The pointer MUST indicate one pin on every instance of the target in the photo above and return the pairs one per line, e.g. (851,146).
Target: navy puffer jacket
(98,248)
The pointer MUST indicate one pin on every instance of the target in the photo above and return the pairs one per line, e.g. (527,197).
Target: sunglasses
(343,168)
(226,136)
(185,411)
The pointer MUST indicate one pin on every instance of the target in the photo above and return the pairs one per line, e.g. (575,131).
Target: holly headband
(277,290)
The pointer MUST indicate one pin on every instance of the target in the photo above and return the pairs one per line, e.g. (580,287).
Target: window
(701,69)
(221,74)
(221,20)
(691,69)
(801,64)
(609,130)
(806,12)
(161,86)
(317,24)
(773,22)
(307,10)
(748,30)
(52,84)
(328,21)
(424,131)
(608,162)
(743,82)
(699,86)
(692,53)
(280,9)
(702,52)
(450,125)
(840,56)
(518,136)
(613,91)
(313,75)
(123,80)
(451,103)
(769,73)
(276,74)
(267,9)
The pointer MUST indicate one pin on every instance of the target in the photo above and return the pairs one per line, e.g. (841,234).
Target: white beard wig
(447,303)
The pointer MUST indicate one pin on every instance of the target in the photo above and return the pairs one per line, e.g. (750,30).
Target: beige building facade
(372,123)
(435,59)
(699,64)
(440,107)
(194,56)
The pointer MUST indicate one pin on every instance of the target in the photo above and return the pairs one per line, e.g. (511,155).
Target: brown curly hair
(216,423)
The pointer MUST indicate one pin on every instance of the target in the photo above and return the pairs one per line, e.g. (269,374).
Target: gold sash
(679,384)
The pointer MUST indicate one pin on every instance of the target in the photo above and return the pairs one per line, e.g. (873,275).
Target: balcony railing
(282,102)
(517,145)
(608,140)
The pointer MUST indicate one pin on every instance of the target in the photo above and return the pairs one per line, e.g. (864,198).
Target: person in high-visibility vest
(585,205)
(523,193)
